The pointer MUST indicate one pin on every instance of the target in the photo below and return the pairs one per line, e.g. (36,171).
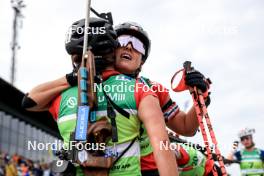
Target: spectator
(11,166)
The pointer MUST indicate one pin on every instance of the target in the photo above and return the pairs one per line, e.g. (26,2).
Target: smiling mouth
(126,56)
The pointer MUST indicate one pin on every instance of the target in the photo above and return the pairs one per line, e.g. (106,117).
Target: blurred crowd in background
(15,165)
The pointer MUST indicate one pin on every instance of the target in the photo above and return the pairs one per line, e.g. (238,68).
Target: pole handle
(187,65)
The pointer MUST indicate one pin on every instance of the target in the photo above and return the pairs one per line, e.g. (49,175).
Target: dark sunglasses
(245,138)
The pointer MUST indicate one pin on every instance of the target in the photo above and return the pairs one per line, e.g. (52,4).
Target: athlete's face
(246,141)
(128,60)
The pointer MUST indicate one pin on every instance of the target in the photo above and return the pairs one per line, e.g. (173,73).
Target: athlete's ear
(141,64)
(142,61)
(76,58)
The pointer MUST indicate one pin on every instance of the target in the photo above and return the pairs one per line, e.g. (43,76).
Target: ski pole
(201,111)
(211,131)
(202,127)
(200,148)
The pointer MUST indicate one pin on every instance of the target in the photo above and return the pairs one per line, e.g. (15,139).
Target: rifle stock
(92,98)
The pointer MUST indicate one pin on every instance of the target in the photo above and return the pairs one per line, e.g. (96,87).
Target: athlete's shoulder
(66,100)
(70,90)
(161,91)
(150,82)
(141,91)
(261,152)
(237,152)
(54,107)
(69,96)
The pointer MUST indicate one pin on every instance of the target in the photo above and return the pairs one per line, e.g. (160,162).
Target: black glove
(207,100)
(72,78)
(194,78)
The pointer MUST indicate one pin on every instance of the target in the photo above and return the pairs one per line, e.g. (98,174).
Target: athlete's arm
(180,122)
(150,114)
(262,155)
(234,155)
(40,97)
(230,156)
(185,124)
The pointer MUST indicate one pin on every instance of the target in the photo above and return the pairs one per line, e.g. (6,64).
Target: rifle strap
(128,147)
(112,115)
(113,104)
(116,107)
(110,110)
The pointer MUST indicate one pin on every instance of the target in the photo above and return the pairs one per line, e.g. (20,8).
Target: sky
(223,39)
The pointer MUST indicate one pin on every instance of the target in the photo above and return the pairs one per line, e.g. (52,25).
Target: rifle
(88,129)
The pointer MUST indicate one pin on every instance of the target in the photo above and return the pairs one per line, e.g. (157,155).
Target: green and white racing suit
(251,162)
(64,109)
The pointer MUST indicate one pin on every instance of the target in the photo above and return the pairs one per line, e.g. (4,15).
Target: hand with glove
(72,78)
(194,78)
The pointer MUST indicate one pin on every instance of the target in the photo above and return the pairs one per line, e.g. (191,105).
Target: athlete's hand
(194,78)
(72,78)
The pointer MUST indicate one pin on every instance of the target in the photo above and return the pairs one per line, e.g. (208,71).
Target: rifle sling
(116,107)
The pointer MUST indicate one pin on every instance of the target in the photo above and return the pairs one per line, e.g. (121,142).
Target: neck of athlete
(109,68)
(250,148)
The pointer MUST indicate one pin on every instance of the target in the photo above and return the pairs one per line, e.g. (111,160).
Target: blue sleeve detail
(238,155)
(262,155)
